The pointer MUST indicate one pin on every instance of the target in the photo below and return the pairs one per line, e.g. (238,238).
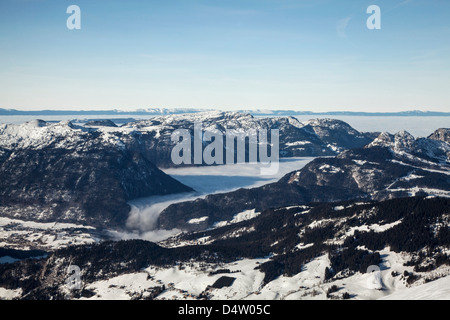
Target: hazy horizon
(233,55)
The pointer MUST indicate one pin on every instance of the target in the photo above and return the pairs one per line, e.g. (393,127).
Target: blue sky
(315,55)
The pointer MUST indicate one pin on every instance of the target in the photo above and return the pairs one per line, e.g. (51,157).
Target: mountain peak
(404,140)
(401,141)
(442,134)
(326,122)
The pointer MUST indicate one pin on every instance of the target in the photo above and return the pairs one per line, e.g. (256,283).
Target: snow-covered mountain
(375,200)
(86,173)
(319,137)
(155,111)
(324,137)
(338,134)
(432,149)
(442,134)
(389,167)
(66,173)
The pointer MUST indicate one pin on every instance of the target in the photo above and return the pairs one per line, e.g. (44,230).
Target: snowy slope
(435,290)
(320,251)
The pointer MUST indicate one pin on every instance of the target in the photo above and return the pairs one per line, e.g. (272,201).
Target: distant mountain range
(255,112)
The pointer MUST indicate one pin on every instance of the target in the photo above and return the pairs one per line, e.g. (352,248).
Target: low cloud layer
(142,221)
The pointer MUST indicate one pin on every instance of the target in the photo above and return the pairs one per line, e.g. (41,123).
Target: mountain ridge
(378,171)
(259,112)
(66,173)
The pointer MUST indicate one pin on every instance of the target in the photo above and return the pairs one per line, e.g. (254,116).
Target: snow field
(189,281)
(26,235)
